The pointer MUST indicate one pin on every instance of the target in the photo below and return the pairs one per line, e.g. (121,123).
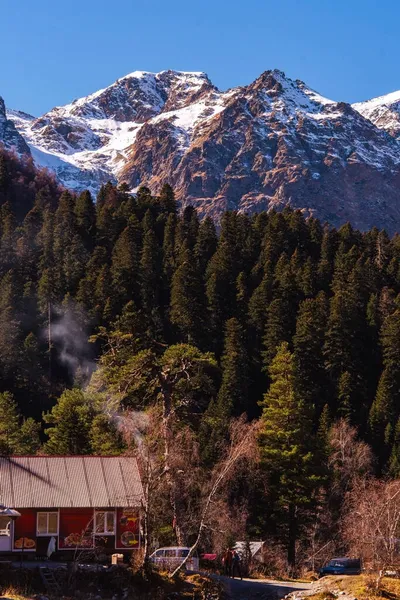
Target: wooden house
(70,503)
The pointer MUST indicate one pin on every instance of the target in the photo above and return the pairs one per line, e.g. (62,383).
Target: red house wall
(76,531)
(25,531)
(128,529)
(75,528)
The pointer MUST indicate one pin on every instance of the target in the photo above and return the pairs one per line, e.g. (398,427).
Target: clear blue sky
(53,51)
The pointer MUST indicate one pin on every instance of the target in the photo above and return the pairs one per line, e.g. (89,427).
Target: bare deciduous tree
(242,449)
(371,526)
(349,458)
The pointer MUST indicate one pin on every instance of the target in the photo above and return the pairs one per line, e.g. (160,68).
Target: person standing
(228,562)
(236,565)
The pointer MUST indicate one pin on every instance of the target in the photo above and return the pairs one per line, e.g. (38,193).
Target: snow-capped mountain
(383,111)
(264,145)
(86,142)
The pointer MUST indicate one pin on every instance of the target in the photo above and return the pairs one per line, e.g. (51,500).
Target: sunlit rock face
(271,143)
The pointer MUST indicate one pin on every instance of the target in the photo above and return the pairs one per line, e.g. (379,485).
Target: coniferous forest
(286,319)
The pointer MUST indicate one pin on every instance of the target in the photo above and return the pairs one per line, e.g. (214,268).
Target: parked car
(171,557)
(341,566)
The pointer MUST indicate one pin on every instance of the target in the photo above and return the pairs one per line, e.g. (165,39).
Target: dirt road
(259,589)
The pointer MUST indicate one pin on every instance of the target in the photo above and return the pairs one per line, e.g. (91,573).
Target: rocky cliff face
(268,144)
(9,135)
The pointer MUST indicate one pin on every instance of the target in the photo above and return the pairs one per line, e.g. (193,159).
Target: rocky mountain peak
(9,135)
(271,143)
(272,82)
(286,95)
(182,89)
(139,96)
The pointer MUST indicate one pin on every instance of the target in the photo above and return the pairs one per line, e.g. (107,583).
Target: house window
(5,526)
(47,523)
(105,522)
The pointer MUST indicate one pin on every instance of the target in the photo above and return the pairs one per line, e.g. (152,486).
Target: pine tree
(286,445)
(125,264)
(187,312)
(206,243)
(258,304)
(46,293)
(29,437)
(308,278)
(222,272)
(278,328)
(10,329)
(87,290)
(68,248)
(144,199)
(46,241)
(9,424)
(85,213)
(151,278)
(8,238)
(169,255)
(308,343)
(242,297)
(325,424)
(187,229)
(28,249)
(109,223)
(233,393)
(102,294)
(325,265)
(385,410)
(105,439)
(345,396)
(166,199)
(69,424)
(344,342)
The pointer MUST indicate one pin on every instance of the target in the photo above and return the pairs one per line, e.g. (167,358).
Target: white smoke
(69,340)
(132,424)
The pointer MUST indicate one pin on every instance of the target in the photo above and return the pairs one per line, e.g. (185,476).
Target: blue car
(341,566)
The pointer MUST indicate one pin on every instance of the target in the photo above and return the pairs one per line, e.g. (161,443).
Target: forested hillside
(268,309)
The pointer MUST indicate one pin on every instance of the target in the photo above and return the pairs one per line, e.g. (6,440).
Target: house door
(5,534)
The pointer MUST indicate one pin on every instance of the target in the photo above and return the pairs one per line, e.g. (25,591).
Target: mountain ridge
(267,144)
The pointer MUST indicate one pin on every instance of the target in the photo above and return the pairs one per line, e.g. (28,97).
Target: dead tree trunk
(241,448)
(167,434)
(292,536)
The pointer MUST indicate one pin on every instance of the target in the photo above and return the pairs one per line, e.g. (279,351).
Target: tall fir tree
(288,450)
(187,309)
(308,343)
(151,278)
(385,410)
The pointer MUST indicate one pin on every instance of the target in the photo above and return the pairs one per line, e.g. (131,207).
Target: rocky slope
(9,135)
(268,144)
(384,112)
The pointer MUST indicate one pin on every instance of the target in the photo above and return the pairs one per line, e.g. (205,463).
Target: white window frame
(105,513)
(47,513)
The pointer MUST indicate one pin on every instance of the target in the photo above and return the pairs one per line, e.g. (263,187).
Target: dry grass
(191,586)
(13,594)
(161,586)
(361,587)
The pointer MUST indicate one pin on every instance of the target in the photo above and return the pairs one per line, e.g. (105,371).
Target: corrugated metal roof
(69,481)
